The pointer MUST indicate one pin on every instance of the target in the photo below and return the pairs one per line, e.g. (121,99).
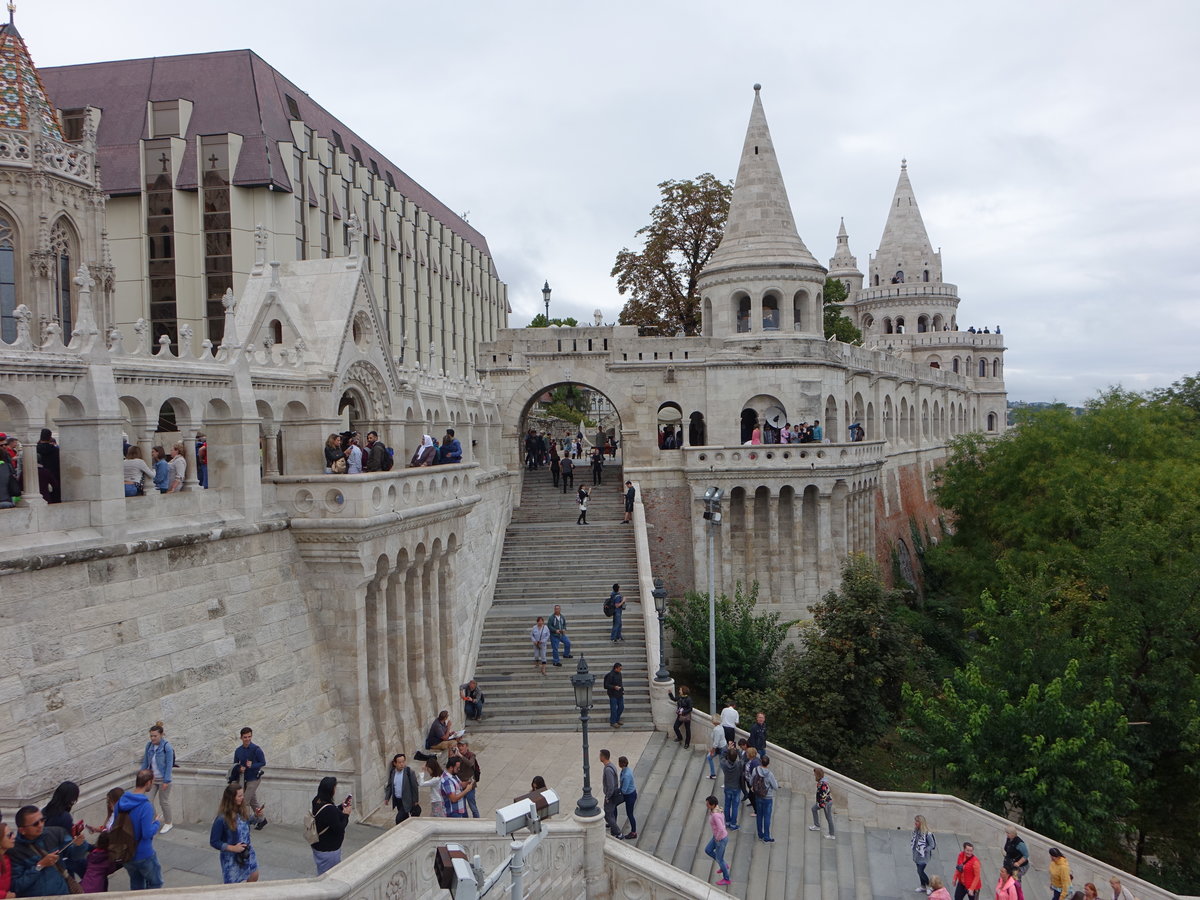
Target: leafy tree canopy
(748,641)
(540,321)
(685,229)
(836,324)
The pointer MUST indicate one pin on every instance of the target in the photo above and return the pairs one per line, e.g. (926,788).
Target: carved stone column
(270,454)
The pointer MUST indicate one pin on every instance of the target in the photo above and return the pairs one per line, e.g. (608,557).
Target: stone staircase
(672,825)
(548,559)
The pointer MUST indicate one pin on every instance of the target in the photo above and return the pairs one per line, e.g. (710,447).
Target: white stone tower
(844,265)
(761,281)
(906,293)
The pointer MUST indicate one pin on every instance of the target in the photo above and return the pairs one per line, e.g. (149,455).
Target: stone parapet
(906,291)
(787,460)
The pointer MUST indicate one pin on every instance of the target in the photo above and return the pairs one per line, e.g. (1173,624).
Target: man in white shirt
(729,720)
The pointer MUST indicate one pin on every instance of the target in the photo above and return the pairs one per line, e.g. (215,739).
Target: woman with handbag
(230,834)
(683,716)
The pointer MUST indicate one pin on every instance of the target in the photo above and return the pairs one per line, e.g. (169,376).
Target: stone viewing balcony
(315,501)
(26,150)
(782,459)
(906,291)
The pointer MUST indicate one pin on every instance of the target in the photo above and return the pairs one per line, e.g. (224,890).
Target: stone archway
(543,413)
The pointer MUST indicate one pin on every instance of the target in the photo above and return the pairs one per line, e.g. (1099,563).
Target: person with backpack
(230,834)
(582,500)
(923,844)
(617,604)
(764,787)
(402,790)
(325,829)
(377,454)
(100,865)
(615,688)
(135,817)
(683,717)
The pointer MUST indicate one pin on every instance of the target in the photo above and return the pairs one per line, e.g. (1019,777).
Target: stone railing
(900,291)
(783,459)
(27,150)
(896,809)
(944,339)
(662,710)
(396,494)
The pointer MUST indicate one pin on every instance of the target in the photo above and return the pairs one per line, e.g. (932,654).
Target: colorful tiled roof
(23,100)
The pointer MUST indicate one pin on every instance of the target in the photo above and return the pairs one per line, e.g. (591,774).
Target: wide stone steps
(672,786)
(548,559)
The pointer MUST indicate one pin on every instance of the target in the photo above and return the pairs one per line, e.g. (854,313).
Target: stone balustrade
(25,150)
(784,458)
(903,291)
(396,494)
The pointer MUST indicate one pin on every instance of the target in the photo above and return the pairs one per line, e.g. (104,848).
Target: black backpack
(758,784)
(609,607)
(389,459)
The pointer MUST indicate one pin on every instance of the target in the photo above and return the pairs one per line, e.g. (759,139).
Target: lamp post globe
(546,299)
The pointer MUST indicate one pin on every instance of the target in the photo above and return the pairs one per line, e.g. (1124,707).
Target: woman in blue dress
(231,835)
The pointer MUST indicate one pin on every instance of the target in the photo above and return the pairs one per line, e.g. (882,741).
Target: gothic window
(799,311)
(925,275)
(877,280)
(983,368)
(954,365)
(996,367)
(899,324)
(991,422)
(743,312)
(8,281)
(60,274)
(887,326)
(922,324)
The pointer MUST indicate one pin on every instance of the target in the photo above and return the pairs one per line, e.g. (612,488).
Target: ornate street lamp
(712,513)
(582,681)
(546,298)
(660,604)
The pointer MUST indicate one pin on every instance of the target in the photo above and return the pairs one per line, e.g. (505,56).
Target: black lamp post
(582,682)
(660,604)
(546,298)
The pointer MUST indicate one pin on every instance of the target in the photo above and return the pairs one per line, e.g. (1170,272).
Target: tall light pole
(712,514)
(546,298)
(660,605)
(582,682)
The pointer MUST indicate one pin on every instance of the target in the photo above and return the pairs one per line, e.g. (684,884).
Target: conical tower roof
(905,242)
(843,260)
(24,103)
(760,230)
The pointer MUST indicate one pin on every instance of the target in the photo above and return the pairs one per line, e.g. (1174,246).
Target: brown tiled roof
(232,91)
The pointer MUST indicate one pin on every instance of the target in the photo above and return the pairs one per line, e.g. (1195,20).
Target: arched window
(706,314)
(276,328)
(800,312)
(996,368)
(899,324)
(925,275)
(898,278)
(991,422)
(983,368)
(60,276)
(770,313)
(922,324)
(742,312)
(876,280)
(954,365)
(867,322)
(887,326)
(8,281)
(696,430)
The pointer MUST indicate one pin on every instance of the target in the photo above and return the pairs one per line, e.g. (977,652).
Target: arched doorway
(567,419)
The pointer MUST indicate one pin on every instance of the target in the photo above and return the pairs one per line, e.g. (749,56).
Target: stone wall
(669,532)
(207,636)
(906,503)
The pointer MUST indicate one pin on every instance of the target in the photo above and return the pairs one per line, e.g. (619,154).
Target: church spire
(905,253)
(844,265)
(24,103)
(760,229)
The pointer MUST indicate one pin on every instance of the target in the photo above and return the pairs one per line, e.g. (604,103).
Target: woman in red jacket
(967,880)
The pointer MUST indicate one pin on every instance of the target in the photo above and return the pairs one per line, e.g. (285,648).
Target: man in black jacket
(615,688)
(376,452)
(758,734)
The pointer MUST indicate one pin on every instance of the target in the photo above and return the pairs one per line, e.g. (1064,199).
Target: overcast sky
(1054,146)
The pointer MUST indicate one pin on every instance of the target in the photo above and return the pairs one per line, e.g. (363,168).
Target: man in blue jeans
(615,688)
(618,606)
(144,870)
(764,778)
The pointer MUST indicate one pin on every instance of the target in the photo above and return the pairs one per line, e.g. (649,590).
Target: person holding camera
(968,879)
(230,834)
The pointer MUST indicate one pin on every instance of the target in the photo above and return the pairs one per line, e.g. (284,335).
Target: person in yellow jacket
(1060,875)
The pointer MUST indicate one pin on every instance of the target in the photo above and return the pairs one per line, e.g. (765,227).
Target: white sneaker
(830,837)
(166,828)
(814,827)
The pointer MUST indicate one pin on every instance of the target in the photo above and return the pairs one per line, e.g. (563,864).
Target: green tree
(836,324)
(540,321)
(1094,516)
(685,228)
(840,690)
(748,641)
